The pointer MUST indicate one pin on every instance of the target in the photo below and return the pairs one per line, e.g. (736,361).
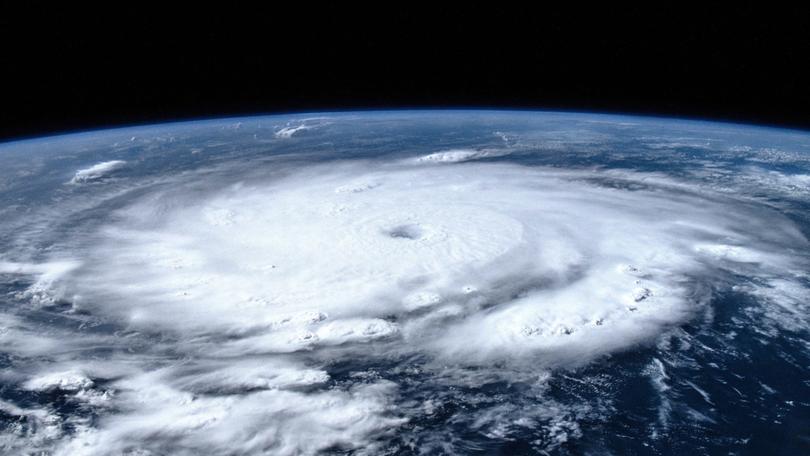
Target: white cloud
(69,381)
(163,419)
(97,171)
(45,289)
(292,129)
(288,132)
(461,155)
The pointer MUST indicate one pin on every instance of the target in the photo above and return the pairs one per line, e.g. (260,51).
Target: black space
(65,69)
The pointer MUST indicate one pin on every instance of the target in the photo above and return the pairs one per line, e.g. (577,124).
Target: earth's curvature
(412,282)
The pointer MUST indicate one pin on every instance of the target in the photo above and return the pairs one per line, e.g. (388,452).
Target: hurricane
(432,282)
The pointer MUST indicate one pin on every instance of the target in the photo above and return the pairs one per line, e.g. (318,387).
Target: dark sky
(65,69)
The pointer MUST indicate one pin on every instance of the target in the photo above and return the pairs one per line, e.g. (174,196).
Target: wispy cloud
(97,171)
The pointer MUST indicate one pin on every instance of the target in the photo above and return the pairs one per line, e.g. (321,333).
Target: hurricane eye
(408,231)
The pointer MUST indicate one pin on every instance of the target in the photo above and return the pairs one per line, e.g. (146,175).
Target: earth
(407,282)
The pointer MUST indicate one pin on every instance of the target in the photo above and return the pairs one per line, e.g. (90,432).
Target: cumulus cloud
(162,419)
(45,288)
(68,381)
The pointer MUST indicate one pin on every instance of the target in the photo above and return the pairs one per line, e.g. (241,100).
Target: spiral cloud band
(222,313)
(471,261)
